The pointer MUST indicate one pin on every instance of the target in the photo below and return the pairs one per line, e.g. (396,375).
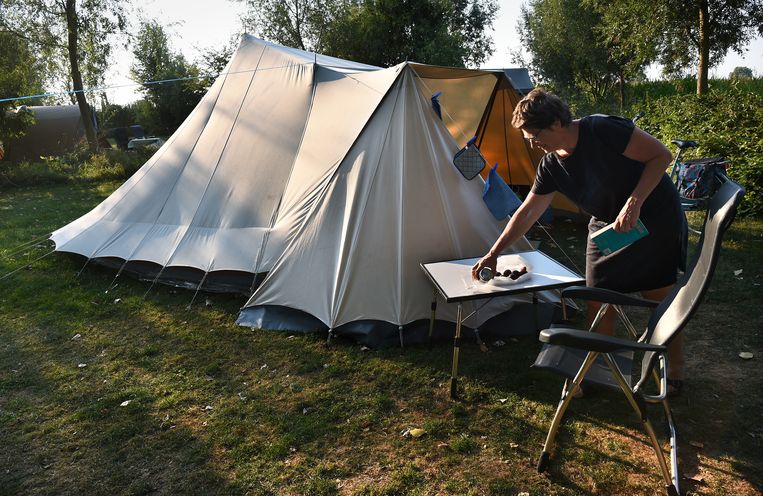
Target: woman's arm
(521,222)
(644,148)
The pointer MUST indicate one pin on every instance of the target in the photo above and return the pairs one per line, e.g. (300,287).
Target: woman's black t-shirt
(598,178)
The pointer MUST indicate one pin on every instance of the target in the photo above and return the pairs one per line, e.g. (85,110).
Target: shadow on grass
(67,439)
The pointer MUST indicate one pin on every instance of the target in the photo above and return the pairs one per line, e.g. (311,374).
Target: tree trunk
(84,108)
(704,47)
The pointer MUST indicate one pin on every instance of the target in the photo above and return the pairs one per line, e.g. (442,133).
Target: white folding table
(453,281)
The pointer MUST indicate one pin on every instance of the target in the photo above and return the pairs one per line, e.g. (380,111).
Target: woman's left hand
(628,216)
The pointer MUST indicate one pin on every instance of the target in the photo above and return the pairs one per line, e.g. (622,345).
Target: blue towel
(498,196)
(436,104)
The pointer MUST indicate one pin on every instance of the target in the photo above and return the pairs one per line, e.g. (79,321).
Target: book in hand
(609,241)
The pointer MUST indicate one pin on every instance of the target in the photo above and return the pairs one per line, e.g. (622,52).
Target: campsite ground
(104,393)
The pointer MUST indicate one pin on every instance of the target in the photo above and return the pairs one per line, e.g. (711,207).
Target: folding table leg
(456,349)
(431,319)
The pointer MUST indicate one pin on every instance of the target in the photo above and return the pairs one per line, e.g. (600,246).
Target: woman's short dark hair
(539,109)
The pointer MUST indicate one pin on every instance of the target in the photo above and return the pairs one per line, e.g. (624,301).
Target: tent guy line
(23,246)
(9,274)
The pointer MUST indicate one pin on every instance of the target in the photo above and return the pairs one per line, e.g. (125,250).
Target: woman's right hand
(486,261)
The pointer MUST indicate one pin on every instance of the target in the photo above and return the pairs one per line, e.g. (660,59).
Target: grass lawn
(114,393)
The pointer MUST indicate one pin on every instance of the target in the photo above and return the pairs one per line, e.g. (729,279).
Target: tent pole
(431,319)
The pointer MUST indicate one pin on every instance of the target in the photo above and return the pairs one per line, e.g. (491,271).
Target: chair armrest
(592,341)
(607,296)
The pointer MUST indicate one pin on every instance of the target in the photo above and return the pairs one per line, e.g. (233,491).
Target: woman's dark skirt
(652,262)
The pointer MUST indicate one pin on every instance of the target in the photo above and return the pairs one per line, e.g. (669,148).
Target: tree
(20,75)
(569,52)
(214,59)
(294,23)
(381,32)
(171,85)
(741,73)
(687,33)
(77,38)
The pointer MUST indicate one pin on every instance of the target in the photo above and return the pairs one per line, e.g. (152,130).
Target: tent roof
(520,79)
(303,56)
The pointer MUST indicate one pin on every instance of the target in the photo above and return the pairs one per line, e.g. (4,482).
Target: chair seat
(566,362)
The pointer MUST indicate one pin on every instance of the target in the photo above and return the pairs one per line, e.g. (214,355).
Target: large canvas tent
(317,183)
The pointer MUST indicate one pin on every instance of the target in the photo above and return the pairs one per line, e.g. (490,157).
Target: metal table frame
(546,274)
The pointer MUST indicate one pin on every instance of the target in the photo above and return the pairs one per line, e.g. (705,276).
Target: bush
(80,165)
(725,123)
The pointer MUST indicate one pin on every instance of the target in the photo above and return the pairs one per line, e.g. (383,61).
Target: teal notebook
(609,241)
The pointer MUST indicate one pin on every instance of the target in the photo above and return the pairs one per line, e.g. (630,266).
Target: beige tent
(56,130)
(322,183)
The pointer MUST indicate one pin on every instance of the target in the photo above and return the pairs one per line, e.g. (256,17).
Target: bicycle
(696,180)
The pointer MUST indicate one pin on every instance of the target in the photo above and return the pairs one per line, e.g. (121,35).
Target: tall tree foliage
(295,23)
(684,33)
(214,59)
(71,36)
(167,103)
(568,52)
(381,32)
(20,75)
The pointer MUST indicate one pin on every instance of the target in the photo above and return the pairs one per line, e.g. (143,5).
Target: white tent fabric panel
(313,252)
(223,170)
(394,202)
(342,106)
(140,198)
(245,190)
(260,151)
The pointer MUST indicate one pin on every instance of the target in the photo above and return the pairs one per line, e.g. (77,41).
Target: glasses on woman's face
(532,138)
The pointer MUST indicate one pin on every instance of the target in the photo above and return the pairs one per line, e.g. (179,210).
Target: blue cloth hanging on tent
(498,196)
(436,104)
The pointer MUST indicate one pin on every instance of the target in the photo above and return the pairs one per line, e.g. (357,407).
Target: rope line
(9,274)
(26,245)
(145,83)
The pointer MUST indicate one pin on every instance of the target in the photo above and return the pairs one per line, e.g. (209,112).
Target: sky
(194,26)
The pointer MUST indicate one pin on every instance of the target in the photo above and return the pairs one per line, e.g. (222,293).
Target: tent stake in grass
(198,288)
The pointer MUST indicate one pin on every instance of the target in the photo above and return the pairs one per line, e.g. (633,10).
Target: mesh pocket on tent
(469,161)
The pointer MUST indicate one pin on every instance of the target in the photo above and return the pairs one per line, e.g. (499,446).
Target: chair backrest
(672,314)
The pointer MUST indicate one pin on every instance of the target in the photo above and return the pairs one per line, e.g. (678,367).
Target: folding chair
(608,361)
